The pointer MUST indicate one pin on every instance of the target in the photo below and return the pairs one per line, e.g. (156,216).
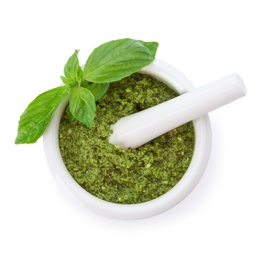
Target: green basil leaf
(38,114)
(68,81)
(72,69)
(69,115)
(116,59)
(152,46)
(82,105)
(84,83)
(98,90)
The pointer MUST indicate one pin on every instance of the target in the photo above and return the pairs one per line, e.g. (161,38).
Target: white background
(205,40)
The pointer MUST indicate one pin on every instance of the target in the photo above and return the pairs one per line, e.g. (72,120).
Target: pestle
(139,128)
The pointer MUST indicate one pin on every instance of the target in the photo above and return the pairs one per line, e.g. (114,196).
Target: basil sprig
(109,62)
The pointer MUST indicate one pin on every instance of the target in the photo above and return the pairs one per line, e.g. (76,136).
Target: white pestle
(139,128)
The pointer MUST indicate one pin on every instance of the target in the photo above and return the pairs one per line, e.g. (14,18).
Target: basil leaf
(84,83)
(117,59)
(72,69)
(82,105)
(69,115)
(68,81)
(38,114)
(98,90)
(152,46)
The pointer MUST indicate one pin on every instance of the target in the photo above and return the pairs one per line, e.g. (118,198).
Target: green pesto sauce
(132,175)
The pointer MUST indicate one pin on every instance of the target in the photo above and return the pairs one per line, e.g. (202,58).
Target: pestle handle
(139,128)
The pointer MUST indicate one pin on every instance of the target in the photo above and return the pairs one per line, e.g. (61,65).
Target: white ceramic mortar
(181,84)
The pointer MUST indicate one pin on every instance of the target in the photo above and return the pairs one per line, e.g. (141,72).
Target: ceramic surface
(181,84)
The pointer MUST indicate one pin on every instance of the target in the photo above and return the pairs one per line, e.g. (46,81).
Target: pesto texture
(132,175)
